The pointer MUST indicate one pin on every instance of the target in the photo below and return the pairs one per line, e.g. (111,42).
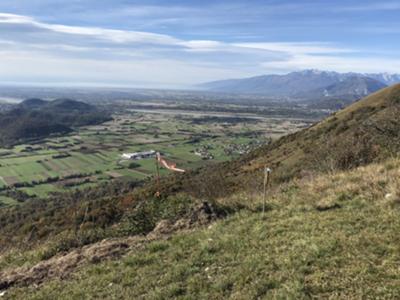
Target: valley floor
(329,236)
(91,155)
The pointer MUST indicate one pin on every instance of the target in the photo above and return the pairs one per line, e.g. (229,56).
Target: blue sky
(181,43)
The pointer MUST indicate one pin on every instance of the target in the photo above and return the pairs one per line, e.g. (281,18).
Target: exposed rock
(327,205)
(162,228)
(61,266)
(199,216)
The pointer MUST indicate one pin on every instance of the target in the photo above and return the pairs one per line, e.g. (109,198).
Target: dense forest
(36,118)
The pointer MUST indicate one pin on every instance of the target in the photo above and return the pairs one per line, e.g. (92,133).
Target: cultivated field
(92,154)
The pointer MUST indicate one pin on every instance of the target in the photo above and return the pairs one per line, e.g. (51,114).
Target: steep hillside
(36,118)
(329,236)
(366,131)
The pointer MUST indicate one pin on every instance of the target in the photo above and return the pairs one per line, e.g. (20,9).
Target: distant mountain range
(307,85)
(388,79)
(36,118)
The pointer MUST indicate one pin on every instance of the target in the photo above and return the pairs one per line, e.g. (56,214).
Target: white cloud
(117,36)
(112,35)
(15,19)
(296,48)
(38,51)
(205,45)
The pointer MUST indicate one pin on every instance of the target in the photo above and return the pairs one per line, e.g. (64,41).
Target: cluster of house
(204,152)
(139,155)
(240,149)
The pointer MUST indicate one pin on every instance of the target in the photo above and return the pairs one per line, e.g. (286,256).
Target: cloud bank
(43,52)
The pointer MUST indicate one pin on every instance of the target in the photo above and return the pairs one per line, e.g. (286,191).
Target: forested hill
(36,118)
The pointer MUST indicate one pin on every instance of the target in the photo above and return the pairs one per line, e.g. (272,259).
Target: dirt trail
(62,265)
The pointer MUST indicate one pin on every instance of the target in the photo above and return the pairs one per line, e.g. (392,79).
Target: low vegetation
(325,236)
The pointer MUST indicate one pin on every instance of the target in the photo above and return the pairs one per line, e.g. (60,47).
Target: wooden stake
(158,178)
(267,172)
(84,216)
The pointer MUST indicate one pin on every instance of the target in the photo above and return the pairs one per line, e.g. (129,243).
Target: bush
(345,153)
(133,165)
(69,240)
(147,214)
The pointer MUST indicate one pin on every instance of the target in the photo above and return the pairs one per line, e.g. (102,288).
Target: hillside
(330,236)
(307,85)
(33,103)
(320,208)
(36,118)
(69,105)
(366,132)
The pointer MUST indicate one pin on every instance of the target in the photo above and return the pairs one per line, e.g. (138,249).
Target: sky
(176,44)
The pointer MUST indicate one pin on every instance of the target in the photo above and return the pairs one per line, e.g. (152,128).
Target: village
(240,149)
(204,151)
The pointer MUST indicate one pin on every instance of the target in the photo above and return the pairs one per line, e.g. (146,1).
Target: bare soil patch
(62,265)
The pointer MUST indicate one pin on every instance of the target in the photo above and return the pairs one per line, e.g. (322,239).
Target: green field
(5,201)
(93,154)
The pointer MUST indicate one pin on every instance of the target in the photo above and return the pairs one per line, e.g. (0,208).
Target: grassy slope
(328,140)
(298,251)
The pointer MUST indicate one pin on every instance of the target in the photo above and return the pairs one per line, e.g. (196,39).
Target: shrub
(133,165)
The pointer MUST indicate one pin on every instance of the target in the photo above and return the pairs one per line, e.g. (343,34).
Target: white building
(139,155)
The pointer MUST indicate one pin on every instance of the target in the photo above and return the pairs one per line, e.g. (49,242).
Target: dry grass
(296,252)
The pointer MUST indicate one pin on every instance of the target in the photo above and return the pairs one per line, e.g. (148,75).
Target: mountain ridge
(306,84)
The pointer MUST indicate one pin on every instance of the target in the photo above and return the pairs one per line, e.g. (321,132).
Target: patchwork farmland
(92,154)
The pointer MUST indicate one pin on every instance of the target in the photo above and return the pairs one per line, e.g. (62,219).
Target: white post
(267,172)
